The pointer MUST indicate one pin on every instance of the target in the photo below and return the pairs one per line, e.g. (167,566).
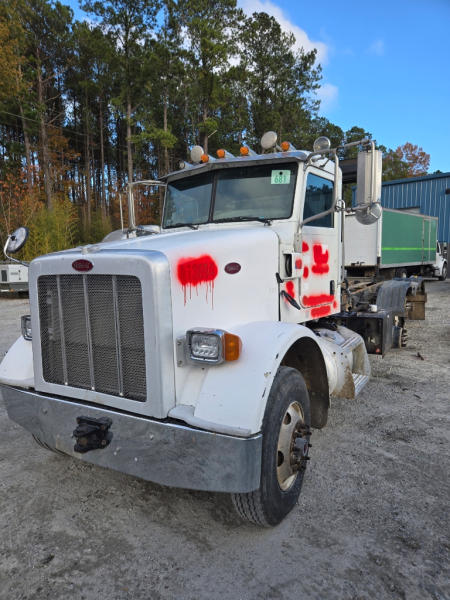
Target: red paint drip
(298,263)
(290,288)
(320,311)
(306,273)
(192,272)
(305,247)
(317,299)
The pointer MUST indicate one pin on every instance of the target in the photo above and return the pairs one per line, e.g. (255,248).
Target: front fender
(233,396)
(16,368)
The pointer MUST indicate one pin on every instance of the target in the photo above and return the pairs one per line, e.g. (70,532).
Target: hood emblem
(82,265)
(232,268)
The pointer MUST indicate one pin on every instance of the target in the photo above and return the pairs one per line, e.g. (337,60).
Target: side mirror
(16,240)
(368,185)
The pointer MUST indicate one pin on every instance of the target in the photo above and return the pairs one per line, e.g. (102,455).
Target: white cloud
(301,37)
(377,48)
(328,95)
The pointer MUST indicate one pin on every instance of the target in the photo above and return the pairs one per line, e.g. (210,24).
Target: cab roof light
(196,154)
(183,164)
(246,151)
(221,153)
(269,140)
(287,147)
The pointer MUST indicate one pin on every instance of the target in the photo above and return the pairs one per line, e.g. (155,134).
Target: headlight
(212,346)
(206,346)
(26,326)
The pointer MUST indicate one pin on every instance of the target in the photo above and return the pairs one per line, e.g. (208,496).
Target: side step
(359,381)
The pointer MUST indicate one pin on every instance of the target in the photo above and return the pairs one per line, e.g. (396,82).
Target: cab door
(321,249)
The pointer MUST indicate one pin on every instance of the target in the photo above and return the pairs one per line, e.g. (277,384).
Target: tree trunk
(87,166)
(27,149)
(166,150)
(205,135)
(102,162)
(44,139)
(129,155)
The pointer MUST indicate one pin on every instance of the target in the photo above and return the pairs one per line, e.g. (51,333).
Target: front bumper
(163,452)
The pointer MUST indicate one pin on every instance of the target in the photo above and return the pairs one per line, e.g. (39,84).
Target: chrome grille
(92,333)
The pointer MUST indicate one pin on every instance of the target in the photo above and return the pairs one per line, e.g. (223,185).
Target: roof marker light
(221,153)
(246,151)
(287,147)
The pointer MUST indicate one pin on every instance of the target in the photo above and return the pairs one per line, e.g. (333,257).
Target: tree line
(87,106)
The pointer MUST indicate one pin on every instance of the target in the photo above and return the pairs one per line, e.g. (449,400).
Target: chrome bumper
(165,453)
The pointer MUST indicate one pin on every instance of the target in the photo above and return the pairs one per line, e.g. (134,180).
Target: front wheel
(443,276)
(286,433)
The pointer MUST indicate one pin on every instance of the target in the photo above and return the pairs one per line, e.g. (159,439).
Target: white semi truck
(200,354)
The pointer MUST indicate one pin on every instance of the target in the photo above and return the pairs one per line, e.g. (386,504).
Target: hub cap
(288,462)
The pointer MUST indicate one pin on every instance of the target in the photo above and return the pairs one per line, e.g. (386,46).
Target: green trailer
(407,239)
(400,243)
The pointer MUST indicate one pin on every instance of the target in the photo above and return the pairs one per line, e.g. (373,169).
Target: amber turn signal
(204,158)
(232,346)
(285,146)
(244,151)
(220,153)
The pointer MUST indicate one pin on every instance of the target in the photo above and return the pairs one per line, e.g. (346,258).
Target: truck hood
(219,276)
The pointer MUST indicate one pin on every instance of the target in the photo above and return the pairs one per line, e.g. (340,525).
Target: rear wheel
(286,433)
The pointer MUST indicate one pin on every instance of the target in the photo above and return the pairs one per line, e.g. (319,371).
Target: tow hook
(92,434)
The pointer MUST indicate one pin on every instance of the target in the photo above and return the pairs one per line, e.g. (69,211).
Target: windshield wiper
(191,225)
(231,219)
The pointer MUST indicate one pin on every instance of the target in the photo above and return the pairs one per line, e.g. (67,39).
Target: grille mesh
(92,333)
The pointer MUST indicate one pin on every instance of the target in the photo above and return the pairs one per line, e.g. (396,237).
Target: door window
(318,198)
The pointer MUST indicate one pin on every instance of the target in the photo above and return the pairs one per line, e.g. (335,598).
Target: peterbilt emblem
(82,265)
(232,268)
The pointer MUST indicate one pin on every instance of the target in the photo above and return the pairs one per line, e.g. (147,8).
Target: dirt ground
(371,523)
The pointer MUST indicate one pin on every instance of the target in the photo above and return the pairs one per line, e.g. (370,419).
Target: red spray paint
(306,272)
(317,299)
(320,266)
(305,247)
(298,263)
(192,272)
(320,311)
(290,288)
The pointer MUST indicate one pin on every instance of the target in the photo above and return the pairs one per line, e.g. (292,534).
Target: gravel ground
(371,523)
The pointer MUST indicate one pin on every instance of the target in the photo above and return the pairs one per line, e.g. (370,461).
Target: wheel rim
(292,425)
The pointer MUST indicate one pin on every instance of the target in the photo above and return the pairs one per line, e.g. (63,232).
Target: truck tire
(287,418)
(443,276)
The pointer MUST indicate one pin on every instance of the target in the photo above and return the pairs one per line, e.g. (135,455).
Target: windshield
(260,192)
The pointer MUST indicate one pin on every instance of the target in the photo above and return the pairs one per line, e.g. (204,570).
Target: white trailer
(13,277)
(201,355)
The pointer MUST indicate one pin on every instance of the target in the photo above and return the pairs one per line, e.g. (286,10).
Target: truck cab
(441,264)
(200,356)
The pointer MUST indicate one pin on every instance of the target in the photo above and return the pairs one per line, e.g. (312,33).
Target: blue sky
(386,65)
